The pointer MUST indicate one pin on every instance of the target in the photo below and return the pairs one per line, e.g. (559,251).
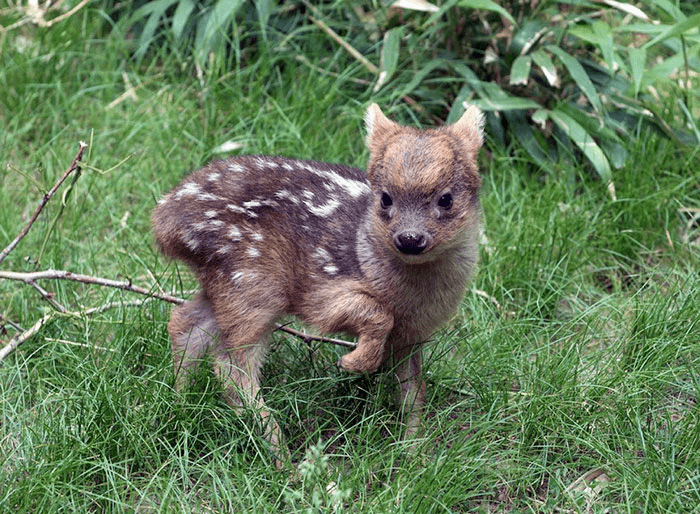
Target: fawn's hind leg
(246,321)
(193,332)
(238,352)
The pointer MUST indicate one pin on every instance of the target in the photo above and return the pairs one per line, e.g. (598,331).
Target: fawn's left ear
(377,125)
(469,129)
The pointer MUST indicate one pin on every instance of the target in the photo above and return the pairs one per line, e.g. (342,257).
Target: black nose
(410,242)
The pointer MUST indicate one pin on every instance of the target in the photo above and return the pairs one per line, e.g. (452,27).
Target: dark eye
(445,201)
(385,200)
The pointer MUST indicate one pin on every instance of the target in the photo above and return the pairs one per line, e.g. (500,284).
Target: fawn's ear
(377,125)
(469,129)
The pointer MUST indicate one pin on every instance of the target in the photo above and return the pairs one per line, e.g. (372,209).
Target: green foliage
(563,79)
(316,493)
(568,382)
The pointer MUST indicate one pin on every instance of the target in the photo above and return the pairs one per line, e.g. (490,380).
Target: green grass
(589,364)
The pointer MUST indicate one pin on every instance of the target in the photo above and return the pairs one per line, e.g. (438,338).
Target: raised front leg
(346,307)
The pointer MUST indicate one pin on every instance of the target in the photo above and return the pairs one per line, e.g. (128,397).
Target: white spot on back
(323,210)
(214,176)
(331,269)
(207,196)
(235,208)
(236,167)
(188,189)
(237,276)
(353,187)
(251,204)
(252,252)
(322,255)
(207,226)
(234,233)
(283,194)
(211,213)
(192,244)
(256,236)
(264,162)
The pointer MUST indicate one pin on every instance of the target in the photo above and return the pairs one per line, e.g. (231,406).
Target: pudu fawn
(383,255)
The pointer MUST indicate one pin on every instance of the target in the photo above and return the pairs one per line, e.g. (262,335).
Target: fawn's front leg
(346,307)
(409,373)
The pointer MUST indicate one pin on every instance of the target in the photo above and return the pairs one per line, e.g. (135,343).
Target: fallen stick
(51,274)
(75,165)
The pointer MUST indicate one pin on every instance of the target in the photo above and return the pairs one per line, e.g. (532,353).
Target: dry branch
(31,277)
(75,165)
(17,340)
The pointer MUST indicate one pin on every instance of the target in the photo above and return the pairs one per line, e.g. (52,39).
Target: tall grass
(571,386)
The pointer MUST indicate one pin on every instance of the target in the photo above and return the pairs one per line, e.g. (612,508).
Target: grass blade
(675,30)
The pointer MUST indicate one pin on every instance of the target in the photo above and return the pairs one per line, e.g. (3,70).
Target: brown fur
(385,256)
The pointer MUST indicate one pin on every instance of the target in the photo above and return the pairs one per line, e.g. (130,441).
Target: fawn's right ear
(377,125)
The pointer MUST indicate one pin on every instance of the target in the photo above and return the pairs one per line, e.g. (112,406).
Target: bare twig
(304,60)
(33,13)
(308,338)
(16,341)
(334,35)
(51,274)
(47,296)
(4,320)
(43,23)
(349,48)
(75,165)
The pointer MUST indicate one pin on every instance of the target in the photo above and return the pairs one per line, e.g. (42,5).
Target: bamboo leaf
(547,66)
(181,16)
(586,144)
(389,57)
(487,5)
(628,8)
(221,16)
(520,70)
(416,5)
(638,59)
(509,103)
(155,11)
(526,136)
(579,75)
(604,40)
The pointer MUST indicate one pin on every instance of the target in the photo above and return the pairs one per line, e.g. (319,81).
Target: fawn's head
(425,184)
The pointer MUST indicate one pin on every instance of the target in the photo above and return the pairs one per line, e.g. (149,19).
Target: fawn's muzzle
(411,242)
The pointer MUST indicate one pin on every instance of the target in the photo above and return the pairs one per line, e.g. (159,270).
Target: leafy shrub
(563,79)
